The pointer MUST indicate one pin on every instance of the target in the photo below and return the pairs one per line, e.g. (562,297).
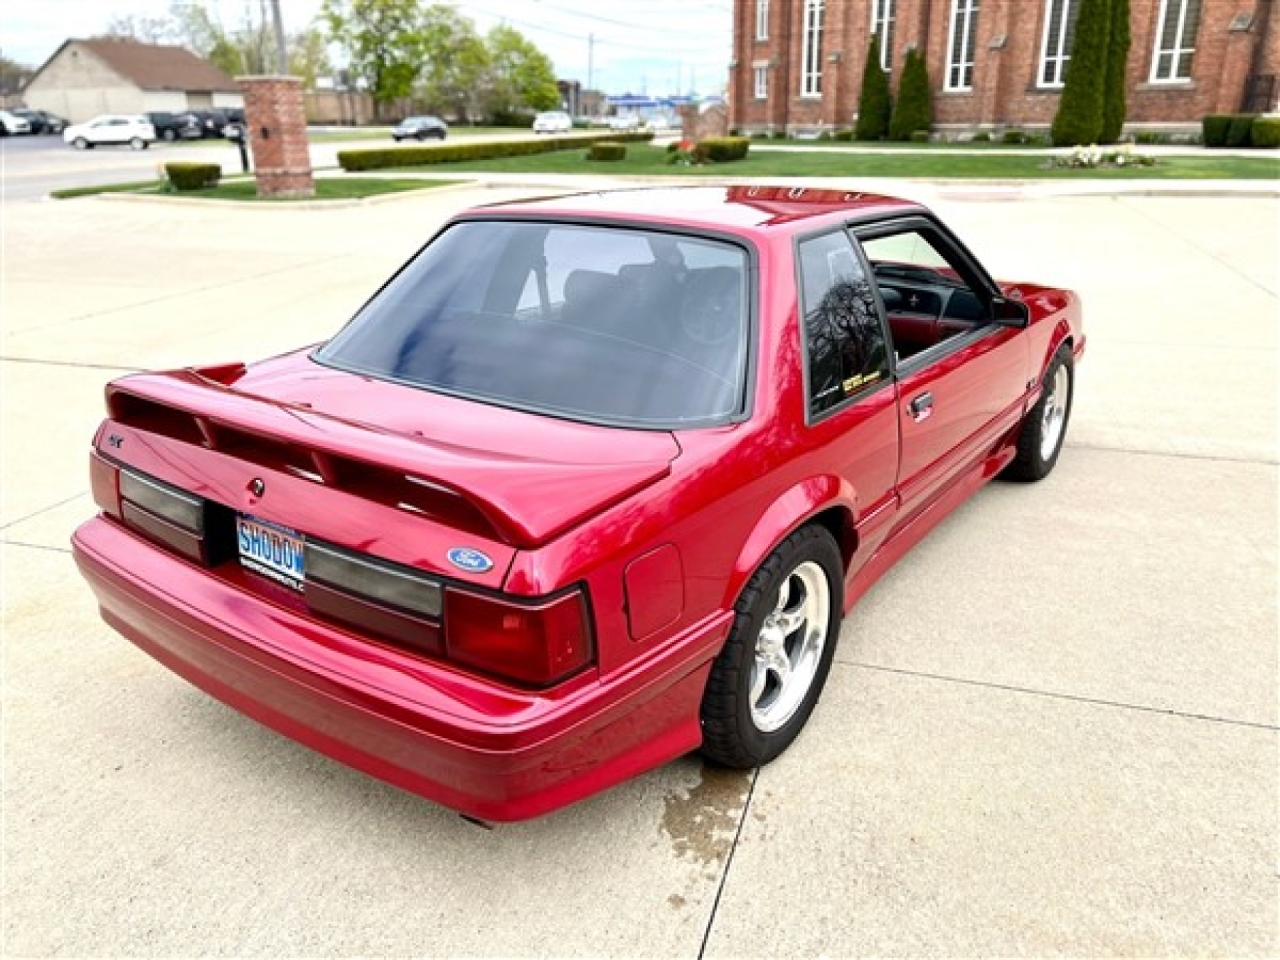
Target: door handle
(921,407)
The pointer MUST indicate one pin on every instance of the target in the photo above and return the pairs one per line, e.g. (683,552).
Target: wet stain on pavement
(701,823)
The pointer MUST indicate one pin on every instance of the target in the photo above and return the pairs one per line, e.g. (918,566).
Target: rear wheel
(137,143)
(767,679)
(169,134)
(80,143)
(1045,426)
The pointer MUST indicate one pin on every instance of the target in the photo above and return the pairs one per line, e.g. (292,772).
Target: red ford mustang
(587,485)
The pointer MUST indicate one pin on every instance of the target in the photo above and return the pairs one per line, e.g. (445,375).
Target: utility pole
(591,61)
(282,54)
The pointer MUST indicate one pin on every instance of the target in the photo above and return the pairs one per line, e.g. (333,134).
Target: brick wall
(1236,39)
(277,125)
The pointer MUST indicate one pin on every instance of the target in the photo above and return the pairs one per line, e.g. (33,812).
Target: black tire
(169,134)
(80,143)
(438,134)
(419,137)
(732,735)
(1038,448)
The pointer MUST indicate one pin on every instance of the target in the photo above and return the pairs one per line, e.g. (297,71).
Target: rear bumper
(479,748)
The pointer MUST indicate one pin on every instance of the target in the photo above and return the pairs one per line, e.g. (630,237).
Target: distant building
(85,78)
(996,63)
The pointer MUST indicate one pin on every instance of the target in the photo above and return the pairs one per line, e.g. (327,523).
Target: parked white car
(554,121)
(11,123)
(625,121)
(136,131)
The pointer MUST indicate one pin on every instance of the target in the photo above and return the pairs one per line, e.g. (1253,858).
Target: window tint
(603,324)
(845,339)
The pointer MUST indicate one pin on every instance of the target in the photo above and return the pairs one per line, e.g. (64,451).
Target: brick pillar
(277,127)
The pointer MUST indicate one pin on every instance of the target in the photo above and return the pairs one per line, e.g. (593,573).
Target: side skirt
(893,549)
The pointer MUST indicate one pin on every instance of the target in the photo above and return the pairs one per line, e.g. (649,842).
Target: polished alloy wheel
(1055,413)
(789,647)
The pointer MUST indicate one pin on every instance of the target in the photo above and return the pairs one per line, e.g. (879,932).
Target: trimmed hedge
(1265,134)
(607,151)
(1239,133)
(1241,130)
(191,175)
(724,149)
(1214,129)
(381,158)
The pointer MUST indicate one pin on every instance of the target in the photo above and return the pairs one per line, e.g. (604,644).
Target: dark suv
(174,126)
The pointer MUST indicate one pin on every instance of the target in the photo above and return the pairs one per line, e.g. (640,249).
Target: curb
(314,205)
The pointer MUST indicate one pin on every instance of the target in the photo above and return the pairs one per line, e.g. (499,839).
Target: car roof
(744,207)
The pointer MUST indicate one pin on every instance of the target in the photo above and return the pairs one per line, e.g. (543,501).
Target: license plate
(271,550)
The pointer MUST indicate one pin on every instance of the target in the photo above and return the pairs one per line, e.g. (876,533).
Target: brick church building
(996,64)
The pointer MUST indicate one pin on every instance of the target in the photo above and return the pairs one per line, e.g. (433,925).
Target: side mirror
(1010,313)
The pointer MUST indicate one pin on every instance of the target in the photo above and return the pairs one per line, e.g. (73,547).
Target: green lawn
(327,188)
(651,161)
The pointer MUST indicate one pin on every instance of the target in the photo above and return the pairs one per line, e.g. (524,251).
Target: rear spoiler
(525,502)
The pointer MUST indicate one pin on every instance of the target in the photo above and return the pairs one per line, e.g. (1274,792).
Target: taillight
(535,644)
(104,481)
(164,513)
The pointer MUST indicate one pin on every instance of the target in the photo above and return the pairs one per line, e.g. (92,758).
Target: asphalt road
(31,167)
(1050,730)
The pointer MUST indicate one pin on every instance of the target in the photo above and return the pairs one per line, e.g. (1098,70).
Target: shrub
(779,134)
(354,161)
(607,151)
(913,112)
(1215,128)
(1149,138)
(1265,134)
(982,137)
(1081,108)
(190,175)
(1239,133)
(674,145)
(874,102)
(1114,105)
(511,118)
(723,149)
(844,136)
(1013,136)
(825,136)
(920,136)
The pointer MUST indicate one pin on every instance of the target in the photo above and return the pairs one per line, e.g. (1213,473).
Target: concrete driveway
(1051,730)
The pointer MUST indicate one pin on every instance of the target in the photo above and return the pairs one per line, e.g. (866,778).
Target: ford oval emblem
(473,561)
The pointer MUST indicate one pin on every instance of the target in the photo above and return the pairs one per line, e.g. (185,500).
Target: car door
(850,394)
(111,130)
(962,378)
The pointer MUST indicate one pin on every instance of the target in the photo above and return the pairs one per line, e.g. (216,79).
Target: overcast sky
(653,46)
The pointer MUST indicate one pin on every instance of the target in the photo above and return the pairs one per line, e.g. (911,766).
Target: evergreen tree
(1114,106)
(874,103)
(1080,109)
(913,111)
